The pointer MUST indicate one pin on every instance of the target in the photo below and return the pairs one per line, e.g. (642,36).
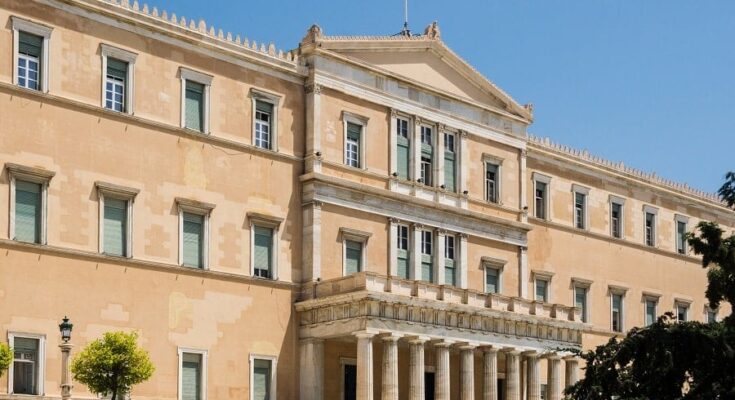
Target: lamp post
(65,328)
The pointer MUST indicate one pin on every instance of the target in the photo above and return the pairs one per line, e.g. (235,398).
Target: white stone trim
(199,208)
(122,55)
(24,25)
(576,285)
(498,162)
(354,235)
(357,120)
(275,100)
(538,177)
(204,354)
(621,291)
(545,276)
(41,378)
(108,190)
(34,175)
(654,235)
(269,224)
(621,202)
(496,264)
(187,74)
(585,191)
(274,370)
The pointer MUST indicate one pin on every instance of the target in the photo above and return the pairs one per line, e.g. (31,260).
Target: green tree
(6,357)
(671,360)
(112,365)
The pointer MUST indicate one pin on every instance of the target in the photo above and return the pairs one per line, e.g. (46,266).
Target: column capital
(364,334)
(511,351)
(443,343)
(390,337)
(489,349)
(311,340)
(531,354)
(552,356)
(418,339)
(570,358)
(467,345)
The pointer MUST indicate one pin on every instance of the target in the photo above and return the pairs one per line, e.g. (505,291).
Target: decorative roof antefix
(620,167)
(201,28)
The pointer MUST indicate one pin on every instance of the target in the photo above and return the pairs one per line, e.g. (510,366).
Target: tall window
(28,211)
(450,267)
(115,85)
(542,290)
(195,88)
(492,280)
(115,227)
(192,375)
(580,301)
(26,365)
(353,257)
(450,162)
(682,312)
(193,240)
(352,145)
(711,315)
(427,156)
(491,182)
(262,252)
(262,378)
(30,51)
(650,310)
(616,220)
(403,148)
(403,253)
(540,200)
(263,123)
(427,251)
(681,232)
(580,210)
(650,233)
(616,300)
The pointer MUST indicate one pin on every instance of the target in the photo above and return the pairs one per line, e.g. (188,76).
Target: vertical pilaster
(313,127)
(311,241)
(523,273)
(512,375)
(490,374)
(415,272)
(553,379)
(442,378)
(311,361)
(467,372)
(464,159)
(416,148)
(416,389)
(390,368)
(439,156)
(393,142)
(463,255)
(364,365)
(533,377)
(523,195)
(572,370)
(393,247)
(439,260)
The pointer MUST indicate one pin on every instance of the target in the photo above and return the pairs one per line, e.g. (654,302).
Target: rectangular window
(491,182)
(681,241)
(580,300)
(115,227)
(650,311)
(427,156)
(26,362)
(193,240)
(450,267)
(427,251)
(450,162)
(542,290)
(192,376)
(403,252)
(28,200)
(492,280)
(30,54)
(263,252)
(616,219)
(263,119)
(194,106)
(353,257)
(580,210)
(403,149)
(711,316)
(682,312)
(115,84)
(352,145)
(262,379)
(540,200)
(617,312)
(650,229)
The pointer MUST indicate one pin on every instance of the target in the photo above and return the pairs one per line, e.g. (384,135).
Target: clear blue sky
(649,83)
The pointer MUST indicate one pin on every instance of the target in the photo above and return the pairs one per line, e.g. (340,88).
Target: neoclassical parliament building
(360,217)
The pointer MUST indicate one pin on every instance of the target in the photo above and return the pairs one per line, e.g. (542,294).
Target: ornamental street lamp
(65,328)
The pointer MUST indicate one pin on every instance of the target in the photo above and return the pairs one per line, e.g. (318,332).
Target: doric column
(311,361)
(390,367)
(490,374)
(364,365)
(512,374)
(553,379)
(442,377)
(533,376)
(467,371)
(416,348)
(572,370)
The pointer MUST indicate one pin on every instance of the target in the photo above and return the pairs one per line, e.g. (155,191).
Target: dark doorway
(350,382)
(429,385)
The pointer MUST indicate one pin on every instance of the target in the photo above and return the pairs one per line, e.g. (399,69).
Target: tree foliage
(671,360)
(110,366)
(6,357)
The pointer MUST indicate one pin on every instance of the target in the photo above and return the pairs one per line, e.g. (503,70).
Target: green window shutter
(492,280)
(30,44)
(354,131)
(450,176)
(450,272)
(27,212)
(353,257)
(263,252)
(427,269)
(403,263)
(191,376)
(194,106)
(115,226)
(193,231)
(261,379)
(117,68)
(264,106)
(403,151)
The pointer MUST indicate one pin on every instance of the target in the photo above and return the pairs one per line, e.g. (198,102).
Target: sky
(650,83)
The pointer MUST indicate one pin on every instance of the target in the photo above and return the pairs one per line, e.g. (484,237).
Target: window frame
(681,219)
(650,297)
(545,179)
(41,378)
(362,121)
(204,355)
(185,75)
(686,304)
(342,362)
(107,51)
(621,223)
(654,229)
(708,310)
(117,192)
(545,276)
(35,175)
(432,173)
(268,222)
(496,264)
(410,126)
(197,208)
(34,28)
(617,291)
(583,191)
(354,235)
(446,133)
(488,159)
(586,285)
(273,384)
(274,100)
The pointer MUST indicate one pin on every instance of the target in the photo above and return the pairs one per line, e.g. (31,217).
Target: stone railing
(449,295)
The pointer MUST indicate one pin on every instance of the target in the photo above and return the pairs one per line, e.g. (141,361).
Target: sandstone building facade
(358,218)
